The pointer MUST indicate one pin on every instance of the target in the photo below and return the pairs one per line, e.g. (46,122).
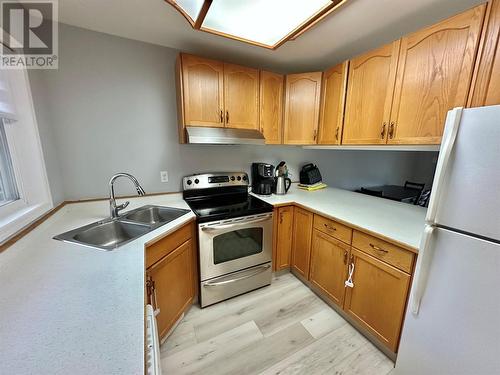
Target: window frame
(28,161)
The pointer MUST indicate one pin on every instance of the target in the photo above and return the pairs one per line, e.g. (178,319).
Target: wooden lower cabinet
(302,234)
(378,299)
(329,266)
(171,281)
(283,238)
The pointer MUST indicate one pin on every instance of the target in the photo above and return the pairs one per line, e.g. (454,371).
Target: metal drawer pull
(374,247)
(327,226)
(225,282)
(229,226)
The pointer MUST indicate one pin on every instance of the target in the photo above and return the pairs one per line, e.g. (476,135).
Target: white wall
(111,107)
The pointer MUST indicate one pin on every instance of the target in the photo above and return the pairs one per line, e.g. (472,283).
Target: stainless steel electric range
(234,235)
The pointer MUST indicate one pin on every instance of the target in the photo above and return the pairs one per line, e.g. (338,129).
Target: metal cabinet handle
(345,256)
(382,133)
(337,133)
(227,117)
(281,217)
(315,134)
(391,129)
(225,282)
(375,247)
(329,227)
(221,116)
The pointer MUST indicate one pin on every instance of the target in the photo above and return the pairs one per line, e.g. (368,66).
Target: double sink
(109,234)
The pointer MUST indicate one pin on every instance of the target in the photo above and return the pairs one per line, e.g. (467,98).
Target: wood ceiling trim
(294,34)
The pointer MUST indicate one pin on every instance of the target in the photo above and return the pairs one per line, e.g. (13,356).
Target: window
(266,23)
(8,185)
(24,190)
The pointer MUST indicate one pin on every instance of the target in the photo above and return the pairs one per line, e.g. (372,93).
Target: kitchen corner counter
(398,222)
(69,309)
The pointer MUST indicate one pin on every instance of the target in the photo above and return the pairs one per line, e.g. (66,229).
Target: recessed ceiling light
(265,23)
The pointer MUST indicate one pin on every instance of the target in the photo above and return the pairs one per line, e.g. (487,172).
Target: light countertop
(400,222)
(68,309)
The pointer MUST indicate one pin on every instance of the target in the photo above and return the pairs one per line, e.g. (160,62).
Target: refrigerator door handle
(449,137)
(421,269)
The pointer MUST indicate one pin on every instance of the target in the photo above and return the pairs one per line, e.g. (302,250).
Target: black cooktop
(223,207)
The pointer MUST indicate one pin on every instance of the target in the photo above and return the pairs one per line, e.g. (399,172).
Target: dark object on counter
(310,175)
(262,178)
(407,193)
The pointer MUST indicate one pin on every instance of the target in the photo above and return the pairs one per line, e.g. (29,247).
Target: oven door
(231,245)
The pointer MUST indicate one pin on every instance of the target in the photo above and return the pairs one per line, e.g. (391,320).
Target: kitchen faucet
(113,208)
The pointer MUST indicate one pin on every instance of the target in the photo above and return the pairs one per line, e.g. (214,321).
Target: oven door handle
(225,282)
(232,225)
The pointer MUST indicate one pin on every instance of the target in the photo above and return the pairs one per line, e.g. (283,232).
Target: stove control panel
(212,180)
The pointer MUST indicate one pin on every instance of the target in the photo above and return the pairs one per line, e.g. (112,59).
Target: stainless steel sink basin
(153,215)
(109,234)
(105,235)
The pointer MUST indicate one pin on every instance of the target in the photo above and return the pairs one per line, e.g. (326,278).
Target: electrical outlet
(164,176)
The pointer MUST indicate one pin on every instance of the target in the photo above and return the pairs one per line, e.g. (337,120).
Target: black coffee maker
(262,178)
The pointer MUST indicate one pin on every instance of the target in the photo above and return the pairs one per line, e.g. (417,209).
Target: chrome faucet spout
(113,208)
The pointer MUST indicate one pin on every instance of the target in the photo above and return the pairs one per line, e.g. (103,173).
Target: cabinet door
(369,96)
(486,87)
(434,75)
(241,97)
(173,286)
(332,105)
(328,265)
(271,106)
(302,233)
(202,87)
(378,299)
(283,237)
(302,98)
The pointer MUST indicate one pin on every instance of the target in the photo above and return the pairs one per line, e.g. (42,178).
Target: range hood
(224,136)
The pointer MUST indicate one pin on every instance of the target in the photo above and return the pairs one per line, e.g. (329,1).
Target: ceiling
(357,26)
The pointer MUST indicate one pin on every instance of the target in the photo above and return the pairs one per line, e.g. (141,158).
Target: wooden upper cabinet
(271,106)
(332,104)
(241,97)
(302,99)
(329,266)
(486,86)
(378,299)
(302,233)
(369,95)
(202,91)
(434,75)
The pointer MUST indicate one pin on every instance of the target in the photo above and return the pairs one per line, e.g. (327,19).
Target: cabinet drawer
(334,229)
(166,245)
(385,251)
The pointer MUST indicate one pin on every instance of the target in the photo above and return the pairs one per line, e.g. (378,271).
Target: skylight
(266,23)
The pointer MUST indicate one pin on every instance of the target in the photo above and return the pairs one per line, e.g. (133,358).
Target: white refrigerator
(452,323)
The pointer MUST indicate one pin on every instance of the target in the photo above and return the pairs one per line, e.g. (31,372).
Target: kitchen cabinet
(271,106)
(486,86)
(302,99)
(369,95)
(241,97)
(171,276)
(282,238)
(202,91)
(334,88)
(434,74)
(329,266)
(301,248)
(215,94)
(378,299)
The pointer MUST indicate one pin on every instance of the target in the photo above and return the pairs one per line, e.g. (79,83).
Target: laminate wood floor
(281,329)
